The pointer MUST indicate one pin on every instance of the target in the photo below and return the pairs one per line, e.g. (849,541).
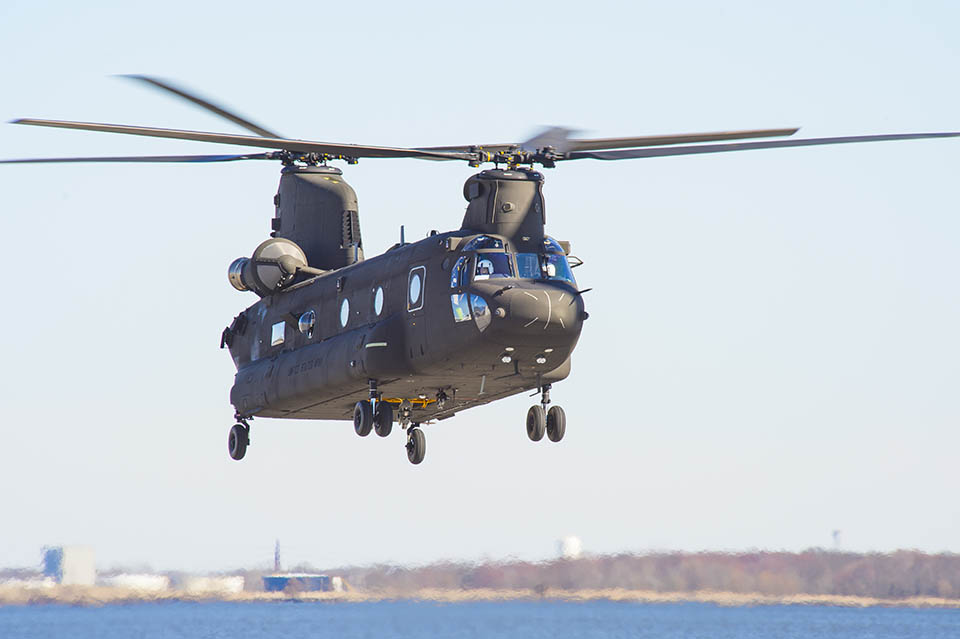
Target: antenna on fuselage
(402,241)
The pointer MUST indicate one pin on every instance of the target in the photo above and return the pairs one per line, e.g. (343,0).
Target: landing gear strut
(540,420)
(239,439)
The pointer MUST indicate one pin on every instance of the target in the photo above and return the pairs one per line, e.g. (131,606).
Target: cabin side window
(277,333)
(415,283)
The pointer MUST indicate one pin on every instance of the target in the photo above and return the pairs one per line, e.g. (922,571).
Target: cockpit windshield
(491,265)
(544,267)
(483,242)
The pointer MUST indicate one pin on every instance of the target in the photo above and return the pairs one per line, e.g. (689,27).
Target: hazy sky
(772,351)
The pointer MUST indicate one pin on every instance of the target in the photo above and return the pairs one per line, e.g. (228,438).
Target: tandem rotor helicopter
(429,328)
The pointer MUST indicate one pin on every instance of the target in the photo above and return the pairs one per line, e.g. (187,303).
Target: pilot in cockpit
(484,269)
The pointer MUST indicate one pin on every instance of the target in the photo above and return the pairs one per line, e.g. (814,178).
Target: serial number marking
(303,367)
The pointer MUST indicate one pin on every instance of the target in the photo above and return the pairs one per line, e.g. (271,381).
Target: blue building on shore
(302,582)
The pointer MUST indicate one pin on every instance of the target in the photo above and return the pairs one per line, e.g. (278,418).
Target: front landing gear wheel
(237,441)
(383,419)
(536,423)
(416,445)
(556,423)
(362,418)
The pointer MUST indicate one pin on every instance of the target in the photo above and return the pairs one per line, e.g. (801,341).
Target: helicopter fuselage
(424,321)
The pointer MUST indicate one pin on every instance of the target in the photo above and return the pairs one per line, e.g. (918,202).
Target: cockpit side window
(492,265)
(550,245)
(457,272)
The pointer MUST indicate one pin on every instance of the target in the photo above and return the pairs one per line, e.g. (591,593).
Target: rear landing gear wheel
(362,418)
(536,423)
(237,441)
(556,423)
(416,445)
(383,419)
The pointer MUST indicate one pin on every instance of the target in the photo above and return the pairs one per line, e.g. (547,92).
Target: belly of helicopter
(305,385)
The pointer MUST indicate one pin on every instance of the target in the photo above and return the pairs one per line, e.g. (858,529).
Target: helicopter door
(416,315)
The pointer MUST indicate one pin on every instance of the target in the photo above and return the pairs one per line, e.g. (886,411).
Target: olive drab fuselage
(455,320)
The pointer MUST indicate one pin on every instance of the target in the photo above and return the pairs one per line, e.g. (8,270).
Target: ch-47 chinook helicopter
(429,328)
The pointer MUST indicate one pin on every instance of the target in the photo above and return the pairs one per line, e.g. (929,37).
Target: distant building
(33,583)
(70,565)
(569,547)
(302,582)
(139,582)
(211,585)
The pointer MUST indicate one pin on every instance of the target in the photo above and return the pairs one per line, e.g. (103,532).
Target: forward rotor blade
(588,144)
(147,158)
(206,104)
(661,140)
(300,146)
(628,154)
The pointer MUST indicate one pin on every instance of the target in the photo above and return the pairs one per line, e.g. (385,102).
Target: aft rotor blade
(587,144)
(300,146)
(147,158)
(628,154)
(206,104)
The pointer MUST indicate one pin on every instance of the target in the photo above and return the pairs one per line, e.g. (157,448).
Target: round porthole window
(344,312)
(415,289)
(378,300)
(307,322)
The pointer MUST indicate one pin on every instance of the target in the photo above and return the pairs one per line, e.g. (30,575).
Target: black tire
(237,442)
(536,423)
(556,423)
(416,446)
(383,419)
(363,418)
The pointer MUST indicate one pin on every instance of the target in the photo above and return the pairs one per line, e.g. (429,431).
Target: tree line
(818,572)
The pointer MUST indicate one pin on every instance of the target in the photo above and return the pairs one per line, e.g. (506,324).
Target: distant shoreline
(105,596)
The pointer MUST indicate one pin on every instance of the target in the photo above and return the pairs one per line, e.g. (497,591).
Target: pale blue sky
(772,351)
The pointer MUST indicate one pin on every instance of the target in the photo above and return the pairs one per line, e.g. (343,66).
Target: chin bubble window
(492,265)
(481,312)
(461,307)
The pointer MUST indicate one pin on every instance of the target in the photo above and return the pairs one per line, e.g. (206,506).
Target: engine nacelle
(273,266)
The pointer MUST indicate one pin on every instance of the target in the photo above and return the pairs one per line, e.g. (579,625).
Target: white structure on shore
(569,547)
(211,585)
(70,565)
(138,582)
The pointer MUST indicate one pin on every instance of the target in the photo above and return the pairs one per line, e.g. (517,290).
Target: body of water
(521,619)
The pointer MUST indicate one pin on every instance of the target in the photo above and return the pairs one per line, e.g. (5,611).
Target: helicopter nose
(547,310)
